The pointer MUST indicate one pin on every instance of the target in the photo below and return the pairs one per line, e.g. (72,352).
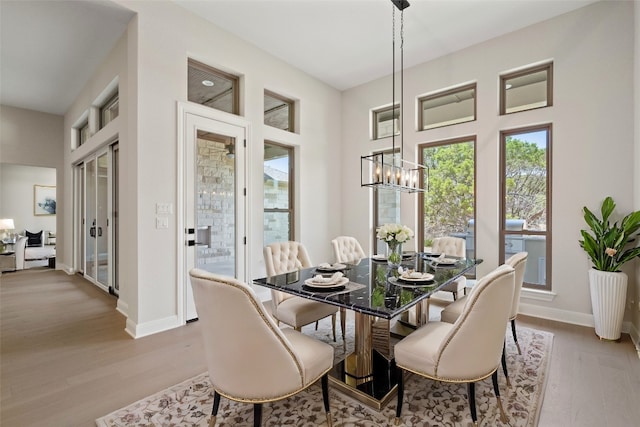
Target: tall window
(525,211)
(278,193)
(447,207)
(212,87)
(385,122)
(386,204)
(279,111)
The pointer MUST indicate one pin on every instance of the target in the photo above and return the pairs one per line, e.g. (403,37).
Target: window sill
(537,295)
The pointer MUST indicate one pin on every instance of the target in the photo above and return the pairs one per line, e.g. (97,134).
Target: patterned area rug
(426,402)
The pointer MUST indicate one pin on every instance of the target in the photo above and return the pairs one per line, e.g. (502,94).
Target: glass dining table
(378,295)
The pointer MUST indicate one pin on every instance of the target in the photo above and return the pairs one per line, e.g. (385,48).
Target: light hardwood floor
(66,360)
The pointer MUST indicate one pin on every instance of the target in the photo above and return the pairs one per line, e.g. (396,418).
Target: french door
(95,189)
(214,200)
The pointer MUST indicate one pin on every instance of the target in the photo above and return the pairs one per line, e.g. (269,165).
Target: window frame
(420,235)
(548,66)
(83,132)
(235,86)
(503,232)
(291,196)
(447,92)
(292,111)
(113,100)
(375,112)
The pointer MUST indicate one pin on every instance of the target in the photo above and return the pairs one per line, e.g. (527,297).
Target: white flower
(394,233)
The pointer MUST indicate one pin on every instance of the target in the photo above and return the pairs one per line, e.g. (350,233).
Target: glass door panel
(102,213)
(90,219)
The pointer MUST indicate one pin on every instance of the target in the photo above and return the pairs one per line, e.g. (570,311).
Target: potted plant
(608,246)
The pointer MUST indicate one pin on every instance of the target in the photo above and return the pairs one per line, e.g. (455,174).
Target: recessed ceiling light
(207,83)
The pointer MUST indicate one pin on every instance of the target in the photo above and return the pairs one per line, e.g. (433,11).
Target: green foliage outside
(449,201)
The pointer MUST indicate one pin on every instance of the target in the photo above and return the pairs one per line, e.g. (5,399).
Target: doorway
(214,200)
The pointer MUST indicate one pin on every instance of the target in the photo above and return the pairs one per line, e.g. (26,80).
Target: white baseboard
(635,337)
(123,308)
(150,328)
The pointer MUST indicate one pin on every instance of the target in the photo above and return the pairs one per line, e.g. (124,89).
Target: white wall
(150,61)
(16,196)
(593,124)
(635,280)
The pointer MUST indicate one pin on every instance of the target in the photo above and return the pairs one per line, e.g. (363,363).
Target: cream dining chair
(451,246)
(249,358)
(451,312)
(347,249)
(285,257)
(466,351)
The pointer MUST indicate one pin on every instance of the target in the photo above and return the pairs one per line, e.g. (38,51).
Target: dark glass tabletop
(374,288)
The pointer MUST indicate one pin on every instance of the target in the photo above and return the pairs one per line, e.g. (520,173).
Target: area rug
(426,402)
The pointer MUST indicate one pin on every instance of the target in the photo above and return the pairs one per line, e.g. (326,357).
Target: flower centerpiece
(607,245)
(394,235)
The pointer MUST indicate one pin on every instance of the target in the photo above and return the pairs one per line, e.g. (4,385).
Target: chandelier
(398,174)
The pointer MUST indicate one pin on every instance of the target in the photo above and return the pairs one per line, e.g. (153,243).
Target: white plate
(334,267)
(320,285)
(425,278)
(379,258)
(430,255)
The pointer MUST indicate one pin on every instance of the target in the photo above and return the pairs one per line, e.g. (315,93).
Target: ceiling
(49,49)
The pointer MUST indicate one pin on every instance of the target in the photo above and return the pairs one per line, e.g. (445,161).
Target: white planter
(608,295)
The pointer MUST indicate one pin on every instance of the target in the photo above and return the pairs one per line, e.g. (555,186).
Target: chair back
(519,263)
(347,249)
(248,357)
(452,246)
(284,257)
(473,347)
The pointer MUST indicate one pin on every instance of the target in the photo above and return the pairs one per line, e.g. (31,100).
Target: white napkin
(335,277)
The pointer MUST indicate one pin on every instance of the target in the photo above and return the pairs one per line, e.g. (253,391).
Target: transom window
(279,111)
(448,107)
(526,89)
(525,202)
(109,110)
(83,133)
(212,87)
(385,122)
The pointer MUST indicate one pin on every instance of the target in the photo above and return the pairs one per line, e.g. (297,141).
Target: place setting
(442,260)
(409,277)
(328,268)
(337,281)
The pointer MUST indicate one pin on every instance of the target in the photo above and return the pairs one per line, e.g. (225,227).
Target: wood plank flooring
(66,360)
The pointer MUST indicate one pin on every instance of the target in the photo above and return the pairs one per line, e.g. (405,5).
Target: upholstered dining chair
(452,246)
(519,263)
(466,351)
(284,257)
(451,312)
(347,249)
(249,358)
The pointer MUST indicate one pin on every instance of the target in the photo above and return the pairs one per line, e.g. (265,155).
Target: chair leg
(496,390)
(471,387)
(343,326)
(214,410)
(333,326)
(504,363)
(316,325)
(400,381)
(257,414)
(455,295)
(325,397)
(515,337)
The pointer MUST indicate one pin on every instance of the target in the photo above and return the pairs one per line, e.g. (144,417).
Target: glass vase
(394,254)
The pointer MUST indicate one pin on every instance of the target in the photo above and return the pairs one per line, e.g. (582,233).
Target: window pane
(211,87)
(278,112)
(276,227)
(525,205)
(387,206)
(449,200)
(385,122)
(83,133)
(109,111)
(448,108)
(526,90)
(278,203)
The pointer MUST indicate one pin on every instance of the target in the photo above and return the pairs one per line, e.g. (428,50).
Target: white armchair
(466,351)
(451,246)
(249,358)
(347,249)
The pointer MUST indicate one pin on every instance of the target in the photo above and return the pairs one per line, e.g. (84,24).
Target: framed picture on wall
(44,200)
